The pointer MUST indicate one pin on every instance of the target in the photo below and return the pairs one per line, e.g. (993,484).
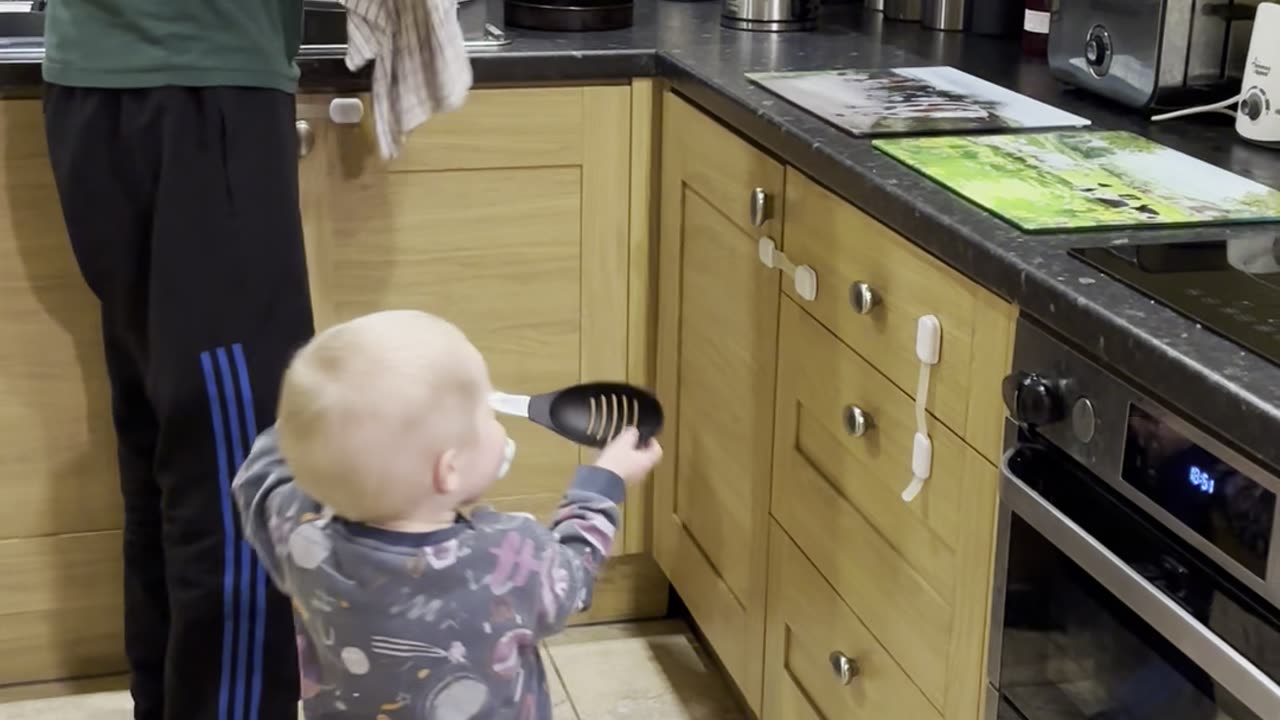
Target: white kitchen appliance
(1258,115)
(1257,106)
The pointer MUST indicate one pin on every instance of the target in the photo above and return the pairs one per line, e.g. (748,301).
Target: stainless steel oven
(1138,567)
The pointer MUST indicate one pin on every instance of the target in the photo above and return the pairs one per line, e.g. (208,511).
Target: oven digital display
(1204,492)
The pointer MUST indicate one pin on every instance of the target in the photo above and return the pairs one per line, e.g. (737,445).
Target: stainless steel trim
(1036,351)
(992,709)
(1223,664)
(1000,579)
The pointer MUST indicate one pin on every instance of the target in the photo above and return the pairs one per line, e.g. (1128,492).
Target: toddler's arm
(567,556)
(270,505)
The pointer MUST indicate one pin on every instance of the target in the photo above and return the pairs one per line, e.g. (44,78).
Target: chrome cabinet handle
(306,138)
(857,422)
(845,667)
(759,207)
(863,298)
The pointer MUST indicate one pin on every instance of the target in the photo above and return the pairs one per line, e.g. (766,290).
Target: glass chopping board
(1078,180)
(898,101)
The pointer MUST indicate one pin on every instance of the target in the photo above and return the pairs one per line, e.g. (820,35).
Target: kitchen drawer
(725,170)
(849,250)
(917,574)
(810,632)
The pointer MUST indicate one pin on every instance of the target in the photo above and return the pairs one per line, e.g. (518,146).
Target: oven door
(1100,613)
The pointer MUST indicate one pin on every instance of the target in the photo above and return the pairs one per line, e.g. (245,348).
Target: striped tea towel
(420,61)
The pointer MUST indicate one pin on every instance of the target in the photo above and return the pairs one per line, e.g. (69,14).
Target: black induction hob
(1231,287)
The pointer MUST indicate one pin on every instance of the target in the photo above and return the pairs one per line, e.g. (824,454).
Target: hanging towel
(420,61)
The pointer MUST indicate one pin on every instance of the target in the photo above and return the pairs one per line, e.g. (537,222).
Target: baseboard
(631,587)
(60,688)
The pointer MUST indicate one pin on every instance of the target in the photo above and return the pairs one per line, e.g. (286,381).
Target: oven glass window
(1070,650)
(1209,496)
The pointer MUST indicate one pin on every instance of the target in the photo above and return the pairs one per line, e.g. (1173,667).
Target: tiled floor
(636,671)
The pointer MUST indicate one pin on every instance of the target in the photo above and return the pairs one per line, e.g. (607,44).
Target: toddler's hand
(623,458)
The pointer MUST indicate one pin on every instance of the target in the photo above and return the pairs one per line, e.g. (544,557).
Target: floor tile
(561,707)
(641,671)
(633,671)
(93,706)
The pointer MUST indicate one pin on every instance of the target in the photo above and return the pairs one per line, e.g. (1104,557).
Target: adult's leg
(105,187)
(229,305)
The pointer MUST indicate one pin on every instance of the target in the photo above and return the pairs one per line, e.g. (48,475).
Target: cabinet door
(718,316)
(822,661)
(60,506)
(509,218)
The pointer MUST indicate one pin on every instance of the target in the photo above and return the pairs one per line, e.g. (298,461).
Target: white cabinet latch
(805,279)
(928,352)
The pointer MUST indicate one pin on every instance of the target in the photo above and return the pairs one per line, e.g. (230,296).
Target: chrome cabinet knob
(306,138)
(759,207)
(844,667)
(863,298)
(857,422)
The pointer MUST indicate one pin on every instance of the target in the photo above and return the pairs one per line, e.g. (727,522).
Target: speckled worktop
(1219,383)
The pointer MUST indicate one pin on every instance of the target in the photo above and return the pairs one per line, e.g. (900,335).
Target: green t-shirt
(186,43)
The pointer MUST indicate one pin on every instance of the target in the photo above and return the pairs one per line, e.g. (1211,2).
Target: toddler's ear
(445,479)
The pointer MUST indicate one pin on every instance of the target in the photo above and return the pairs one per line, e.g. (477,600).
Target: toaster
(1152,53)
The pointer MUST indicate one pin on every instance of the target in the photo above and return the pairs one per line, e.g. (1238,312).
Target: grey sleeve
(584,528)
(270,505)
(570,552)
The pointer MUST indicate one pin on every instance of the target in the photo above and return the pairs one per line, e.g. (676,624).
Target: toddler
(407,609)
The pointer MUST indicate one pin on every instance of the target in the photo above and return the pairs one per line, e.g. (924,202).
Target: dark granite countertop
(1222,385)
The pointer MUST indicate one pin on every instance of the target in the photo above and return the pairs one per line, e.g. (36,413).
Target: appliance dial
(1033,400)
(1253,105)
(1097,50)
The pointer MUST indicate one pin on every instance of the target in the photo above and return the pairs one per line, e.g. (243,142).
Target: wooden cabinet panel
(509,217)
(716,356)
(57,462)
(916,574)
(845,246)
(809,627)
(497,128)
(61,606)
(722,167)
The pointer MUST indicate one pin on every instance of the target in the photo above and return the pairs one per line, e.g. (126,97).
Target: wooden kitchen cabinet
(916,575)
(823,662)
(717,343)
(773,498)
(60,507)
(511,217)
(522,217)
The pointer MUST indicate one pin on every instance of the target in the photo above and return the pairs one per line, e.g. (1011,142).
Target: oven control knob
(1032,399)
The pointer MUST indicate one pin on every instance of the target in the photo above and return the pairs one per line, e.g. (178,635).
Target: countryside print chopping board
(900,101)
(1077,180)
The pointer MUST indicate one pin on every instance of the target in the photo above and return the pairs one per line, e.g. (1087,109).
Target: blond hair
(367,407)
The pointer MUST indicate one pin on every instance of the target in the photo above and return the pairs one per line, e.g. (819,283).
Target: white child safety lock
(805,279)
(928,350)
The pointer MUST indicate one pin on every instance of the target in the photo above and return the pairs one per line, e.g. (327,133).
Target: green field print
(1081,179)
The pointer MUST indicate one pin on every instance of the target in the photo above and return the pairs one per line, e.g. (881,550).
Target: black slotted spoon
(590,414)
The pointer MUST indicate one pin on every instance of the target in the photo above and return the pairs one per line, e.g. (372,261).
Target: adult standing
(170,126)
